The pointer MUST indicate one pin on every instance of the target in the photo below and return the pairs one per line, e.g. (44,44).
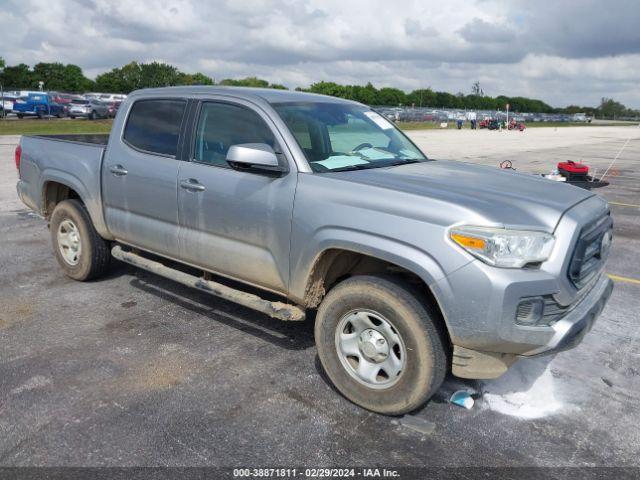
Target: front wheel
(380,345)
(79,249)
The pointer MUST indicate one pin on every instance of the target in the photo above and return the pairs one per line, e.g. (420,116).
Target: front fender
(409,257)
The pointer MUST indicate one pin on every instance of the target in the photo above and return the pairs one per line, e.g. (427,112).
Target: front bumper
(563,335)
(480,302)
(571,329)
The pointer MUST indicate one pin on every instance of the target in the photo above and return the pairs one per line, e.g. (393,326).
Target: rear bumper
(23,193)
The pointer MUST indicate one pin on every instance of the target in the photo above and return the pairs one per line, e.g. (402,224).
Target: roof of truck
(270,95)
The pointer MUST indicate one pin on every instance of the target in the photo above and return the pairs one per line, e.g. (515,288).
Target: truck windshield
(338,137)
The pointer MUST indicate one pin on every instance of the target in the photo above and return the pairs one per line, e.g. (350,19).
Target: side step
(279,310)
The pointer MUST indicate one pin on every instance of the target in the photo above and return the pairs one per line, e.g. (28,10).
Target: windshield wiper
(359,166)
(405,161)
(376,164)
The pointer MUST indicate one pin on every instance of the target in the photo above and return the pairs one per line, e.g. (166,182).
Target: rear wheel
(379,343)
(92,115)
(79,249)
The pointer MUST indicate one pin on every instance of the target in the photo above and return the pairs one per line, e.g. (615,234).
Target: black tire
(40,114)
(20,115)
(94,257)
(72,117)
(92,115)
(425,364)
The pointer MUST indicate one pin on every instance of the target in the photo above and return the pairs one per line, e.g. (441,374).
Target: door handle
(192,185)
(118,170)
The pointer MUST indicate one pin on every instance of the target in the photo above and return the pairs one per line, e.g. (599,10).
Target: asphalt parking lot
(137,370)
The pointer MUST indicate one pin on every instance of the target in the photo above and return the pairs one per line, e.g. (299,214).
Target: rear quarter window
(154,126)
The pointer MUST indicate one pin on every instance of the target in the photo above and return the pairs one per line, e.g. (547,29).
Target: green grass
(53,126)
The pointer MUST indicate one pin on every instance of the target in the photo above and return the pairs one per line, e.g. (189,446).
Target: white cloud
(560,52)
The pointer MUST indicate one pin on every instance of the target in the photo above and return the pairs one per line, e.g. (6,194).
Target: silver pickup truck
(321,207)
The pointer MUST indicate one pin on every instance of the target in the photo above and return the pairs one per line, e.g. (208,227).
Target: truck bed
(71,160)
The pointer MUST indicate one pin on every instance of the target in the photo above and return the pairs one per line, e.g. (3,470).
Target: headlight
(504,248)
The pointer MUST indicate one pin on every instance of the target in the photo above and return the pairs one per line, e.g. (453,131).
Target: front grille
(589,254)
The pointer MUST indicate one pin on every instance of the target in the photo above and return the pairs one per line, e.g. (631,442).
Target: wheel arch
(337,263)
(58,186)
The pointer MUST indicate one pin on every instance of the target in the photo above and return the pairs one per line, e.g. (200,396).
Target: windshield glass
(337,136)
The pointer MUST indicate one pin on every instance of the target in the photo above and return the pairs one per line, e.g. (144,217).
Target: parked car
(112,97)
(22,93)
(92,109)
(113,109)
(106,97)
(413,266)
(40,105)
(62,98)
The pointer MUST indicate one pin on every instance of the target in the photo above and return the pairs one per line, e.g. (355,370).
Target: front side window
(154,125)
(341,136)
(222,125)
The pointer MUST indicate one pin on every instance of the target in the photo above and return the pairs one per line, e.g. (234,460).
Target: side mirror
(257,157)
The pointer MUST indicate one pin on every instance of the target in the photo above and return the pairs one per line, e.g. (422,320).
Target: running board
(279,310)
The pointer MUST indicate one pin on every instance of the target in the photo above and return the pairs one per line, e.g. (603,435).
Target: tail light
(18,156)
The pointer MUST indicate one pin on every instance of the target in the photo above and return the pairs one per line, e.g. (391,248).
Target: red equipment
(513,125)
(572,170)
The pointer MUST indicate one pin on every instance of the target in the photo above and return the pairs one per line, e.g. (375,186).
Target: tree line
(134,75)
(426,97)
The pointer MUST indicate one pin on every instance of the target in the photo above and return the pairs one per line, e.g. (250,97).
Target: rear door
(140,176)
(236,223)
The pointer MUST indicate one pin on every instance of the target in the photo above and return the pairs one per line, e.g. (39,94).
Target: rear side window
(154,126)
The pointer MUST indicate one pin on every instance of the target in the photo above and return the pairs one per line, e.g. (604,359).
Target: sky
(561,51)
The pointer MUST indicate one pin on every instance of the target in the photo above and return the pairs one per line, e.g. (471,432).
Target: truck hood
(473,193)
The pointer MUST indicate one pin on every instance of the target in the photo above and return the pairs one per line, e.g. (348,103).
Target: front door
(140,177)
(235,223)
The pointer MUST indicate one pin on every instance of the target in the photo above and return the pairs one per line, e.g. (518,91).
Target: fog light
(530,311)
